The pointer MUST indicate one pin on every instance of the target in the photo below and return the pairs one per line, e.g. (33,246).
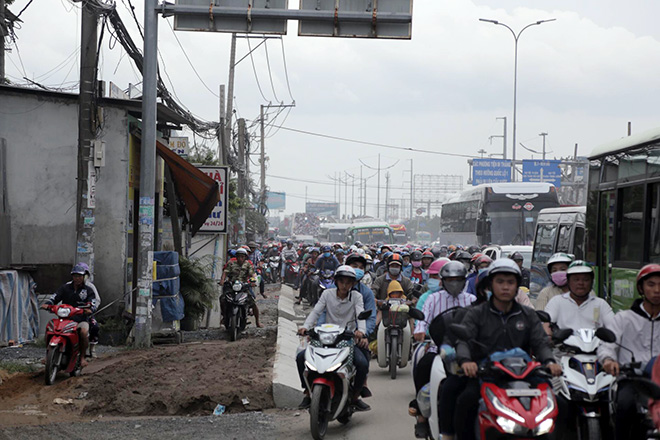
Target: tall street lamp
(515,74)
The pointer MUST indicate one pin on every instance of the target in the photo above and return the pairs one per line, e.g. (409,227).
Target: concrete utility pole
(378,203)
(387,195)
(2,41)
(412,183)
(229,117)
(263,157)
(503,137)
(222,143)
(544,135)
(85,193)
(242,179)
(142,327)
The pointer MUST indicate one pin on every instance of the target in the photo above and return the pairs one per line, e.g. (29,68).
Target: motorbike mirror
(460,331)
(646,388)
(543,316)
(416,314)
(364,315)
(562,334)
(605,335)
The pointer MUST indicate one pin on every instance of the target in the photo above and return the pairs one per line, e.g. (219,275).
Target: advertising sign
(275,200)
(179,145)
(322,209)
(217,221)
(490,171)
(542,171)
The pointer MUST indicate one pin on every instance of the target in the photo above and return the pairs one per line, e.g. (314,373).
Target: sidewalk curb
(287,392)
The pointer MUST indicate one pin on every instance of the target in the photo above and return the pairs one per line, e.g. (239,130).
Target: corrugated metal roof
(641,139)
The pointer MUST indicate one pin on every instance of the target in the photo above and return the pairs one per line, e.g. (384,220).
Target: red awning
(199,192)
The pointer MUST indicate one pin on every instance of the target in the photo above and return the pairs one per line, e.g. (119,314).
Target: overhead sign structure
(490,171)
(322,209)
(179,145)
(345,21)
(217,221)
(275,200)
(542,171)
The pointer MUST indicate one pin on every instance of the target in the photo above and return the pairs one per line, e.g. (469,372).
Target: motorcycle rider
(452,294)
(342,306)
(381,267)
(339,255)
(519,259)
(309,261)
(465,258)
(380,284)
(94,327)
(256,257)
(434,282)
(481,264)
(327,261)
(579,308)
(634,330)
(427,259)
(557,267)
(415,272)
(288,254)
(240,269)
(500,324)
(77,293)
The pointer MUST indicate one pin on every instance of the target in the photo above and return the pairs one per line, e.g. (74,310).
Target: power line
(286,71)
(270,75)
(254,70)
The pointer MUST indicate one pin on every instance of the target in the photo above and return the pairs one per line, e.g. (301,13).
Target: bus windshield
(336,235)
(373,235)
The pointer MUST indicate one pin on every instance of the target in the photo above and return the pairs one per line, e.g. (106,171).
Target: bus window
(564,239)
(630,235)
(578,243)
(544,242)
(654,248)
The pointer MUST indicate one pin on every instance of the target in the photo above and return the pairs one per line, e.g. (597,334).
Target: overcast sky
(580,79)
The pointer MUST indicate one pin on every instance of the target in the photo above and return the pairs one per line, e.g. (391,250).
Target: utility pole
(412,180)
(345,195)
(482,152)
(378,204)
(544,135)
(230,97)
(242,179)
(263,158)
(2,41)
(85,199)
(503,137)
(353,196)
(387,195)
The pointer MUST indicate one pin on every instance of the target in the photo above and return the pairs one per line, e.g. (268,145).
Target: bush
(198,288)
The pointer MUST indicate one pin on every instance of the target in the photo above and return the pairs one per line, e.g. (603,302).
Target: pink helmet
(435,267)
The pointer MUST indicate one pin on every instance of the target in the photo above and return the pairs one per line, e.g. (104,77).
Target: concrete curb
(287,392)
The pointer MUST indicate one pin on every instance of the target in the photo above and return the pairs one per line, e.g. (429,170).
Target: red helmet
(481,259)
(475,256)
(645,272)
(428,254)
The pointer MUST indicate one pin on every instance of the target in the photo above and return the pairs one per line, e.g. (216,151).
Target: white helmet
(346,271)
(504,265)
(560,257)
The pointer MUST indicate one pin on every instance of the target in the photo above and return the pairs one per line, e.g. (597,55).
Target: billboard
(217,221)
(179,145)
(275,200)
(490,171)
(542,171)
(322,209)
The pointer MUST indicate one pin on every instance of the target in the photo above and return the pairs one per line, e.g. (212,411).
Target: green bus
(370,232)
(623,214)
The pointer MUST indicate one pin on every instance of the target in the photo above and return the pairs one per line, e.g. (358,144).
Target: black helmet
(463,255)
(416,256)
(453,269)
(356,257)
(517,256)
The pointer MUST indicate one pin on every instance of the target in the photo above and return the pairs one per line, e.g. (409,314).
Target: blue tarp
(19,307)
(167,285)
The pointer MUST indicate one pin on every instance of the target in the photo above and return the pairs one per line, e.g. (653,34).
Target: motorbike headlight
(309,366)
(63,313)
(503,409)
(547,410)
(507,425)
(544,427)
(327,338)
(237,286)
(334,367)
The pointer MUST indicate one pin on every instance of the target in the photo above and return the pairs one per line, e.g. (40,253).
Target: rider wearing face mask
(557,267)
(481,264)
(415,272)
(327,260)
(381,283)
(434,282)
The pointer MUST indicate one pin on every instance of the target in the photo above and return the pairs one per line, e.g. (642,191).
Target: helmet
(232,252)
(482,259)
(241,251)
(645,272)
(383,247)
(438,264)
(517,256)
(326,248)
(339,251)
(505,265)
(463,255)
(369,258)
(405,253)
(579,266)
(451,248)
(395,258)
(314,249)
(358,244)
(427,254)
(416,256)
(453,269)
(436,252)
(472,249)
(387,255)
(252,244)
(560,257)
(289,242)
(356,257)
(80,269)
(345,271)
(475,256)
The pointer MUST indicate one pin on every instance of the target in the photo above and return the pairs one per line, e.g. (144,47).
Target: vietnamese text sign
(179,145)
(490,171)
(542,171)
(217,221)
(275,200)
(322,209)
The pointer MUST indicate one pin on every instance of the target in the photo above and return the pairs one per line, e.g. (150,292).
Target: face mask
(417,264)
(326,254)
(454,287)
(359,273)
(482,270)
(395,271)
(559,278)
(489,293)
(433,284)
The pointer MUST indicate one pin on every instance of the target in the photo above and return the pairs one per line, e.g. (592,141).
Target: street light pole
(515,74)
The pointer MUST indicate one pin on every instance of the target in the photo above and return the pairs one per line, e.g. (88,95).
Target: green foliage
(198,289)
(15,367)
(203,154)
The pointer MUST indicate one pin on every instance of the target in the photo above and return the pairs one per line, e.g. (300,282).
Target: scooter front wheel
(394,358)
(233,328)
(318,414)
(52,365)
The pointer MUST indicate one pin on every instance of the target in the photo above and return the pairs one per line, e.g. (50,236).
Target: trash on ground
(219,410)
(60,401)
(245,401)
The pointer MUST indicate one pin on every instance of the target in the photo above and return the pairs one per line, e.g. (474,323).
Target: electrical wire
(270,75)
(286,71)
(255,71)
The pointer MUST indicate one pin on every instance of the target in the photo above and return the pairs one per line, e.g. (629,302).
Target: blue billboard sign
(542,171)
(275,200)
(490,171)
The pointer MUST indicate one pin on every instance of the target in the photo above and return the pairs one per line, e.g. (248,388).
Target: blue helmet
(326,248)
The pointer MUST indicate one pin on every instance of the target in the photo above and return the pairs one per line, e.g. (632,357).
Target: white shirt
(594,312)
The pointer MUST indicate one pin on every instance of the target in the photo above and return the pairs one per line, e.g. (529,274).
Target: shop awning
(199,192)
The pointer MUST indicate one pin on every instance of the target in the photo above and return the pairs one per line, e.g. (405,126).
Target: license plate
(523,393)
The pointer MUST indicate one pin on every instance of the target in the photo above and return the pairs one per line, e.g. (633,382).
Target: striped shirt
(439,302)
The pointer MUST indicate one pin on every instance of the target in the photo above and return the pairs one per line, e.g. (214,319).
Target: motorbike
(329,375)
(291,272)
(273,269)
(236,297)
(394,334)
(511,405)
(62,342)
(584,383)
(319,281)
